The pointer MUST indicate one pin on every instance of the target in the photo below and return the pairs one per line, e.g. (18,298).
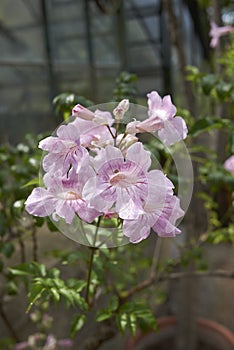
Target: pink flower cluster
(93,170)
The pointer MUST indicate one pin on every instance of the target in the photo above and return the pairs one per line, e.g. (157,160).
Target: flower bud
(82,112)
(121,109)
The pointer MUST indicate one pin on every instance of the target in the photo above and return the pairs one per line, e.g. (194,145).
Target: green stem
(93,249)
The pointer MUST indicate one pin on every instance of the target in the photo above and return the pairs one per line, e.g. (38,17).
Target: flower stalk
(90,268)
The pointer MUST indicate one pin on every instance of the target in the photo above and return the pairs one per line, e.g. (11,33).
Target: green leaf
(11,288)
(77,324)
(51,226)
(113,303)
(224,90)
(132,324)
(122,322)
(67,294)
(38,221)
(34,294)
(208,124)
(55,294)
(40,268)
(19,272)
(208,82)
(103,315)
(7,249)
(33,182)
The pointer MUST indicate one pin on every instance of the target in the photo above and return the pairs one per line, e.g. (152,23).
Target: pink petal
(164,228)
(82,112)
(136,230)
(51,144)
(162,108)
(174,130)
(106,154)
(129,210)
(103,118)
(68,132)
(92,194)
(40,203)
(154,100)
(137,154)
(87,214)
(64,210)
(229,164)
(151,124)
(159,187)
(131,127)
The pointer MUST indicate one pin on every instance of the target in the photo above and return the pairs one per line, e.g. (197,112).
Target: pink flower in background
(216,32)
(52,343)
(229,164)
(162,119)
(62,198)
(64,150)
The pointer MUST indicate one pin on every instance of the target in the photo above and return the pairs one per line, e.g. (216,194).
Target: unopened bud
(82,112)
(121,109)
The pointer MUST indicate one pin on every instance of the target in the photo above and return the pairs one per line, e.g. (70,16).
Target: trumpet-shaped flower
(173,129)
(160,214)
(162,119)
(62,197)
(125,183)
(118,181)
(216,32)
(64,150)
(99,117)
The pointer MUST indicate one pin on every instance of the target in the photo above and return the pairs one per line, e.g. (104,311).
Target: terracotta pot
(211,335)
